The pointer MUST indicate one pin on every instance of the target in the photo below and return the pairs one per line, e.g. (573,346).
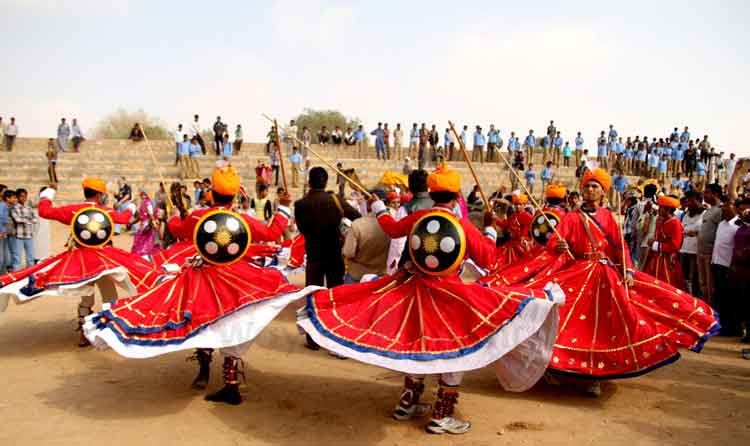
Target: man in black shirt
(219,129)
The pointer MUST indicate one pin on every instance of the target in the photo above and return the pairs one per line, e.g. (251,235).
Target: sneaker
(402,413)
(448,425)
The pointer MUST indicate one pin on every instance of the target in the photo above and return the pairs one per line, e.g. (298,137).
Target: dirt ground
(55,393)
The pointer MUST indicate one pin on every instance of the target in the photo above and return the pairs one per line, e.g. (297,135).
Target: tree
(316,119)
(118,125)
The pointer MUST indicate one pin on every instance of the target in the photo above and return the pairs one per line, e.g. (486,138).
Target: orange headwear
(443,179)
(95,184)
(520,198)
(600,176)
(668,202)
(555,191)
(225,180)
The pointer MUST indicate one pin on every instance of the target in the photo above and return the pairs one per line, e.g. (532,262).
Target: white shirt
(195,128)
(724,244)
(75,131)
(690,243)
(11,130)
(179,136)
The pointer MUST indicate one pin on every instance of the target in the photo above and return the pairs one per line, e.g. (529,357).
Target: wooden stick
(335,169)
(471,168)
(621,224)
(278,150)
(533,200)
(158,168)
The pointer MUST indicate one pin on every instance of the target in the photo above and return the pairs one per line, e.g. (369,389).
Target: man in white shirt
(692,220)
(179,136)
(76,135)
(11,131)
(290,136)
(398,141)
(195,132)
(721,259)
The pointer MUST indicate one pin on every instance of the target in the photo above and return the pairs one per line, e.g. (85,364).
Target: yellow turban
(668,202)
(600,176)
(225,181)
(520,199)
(443,179)
(95,184)
(555,191)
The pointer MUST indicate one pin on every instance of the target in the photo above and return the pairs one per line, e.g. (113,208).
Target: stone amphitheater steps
(26,166)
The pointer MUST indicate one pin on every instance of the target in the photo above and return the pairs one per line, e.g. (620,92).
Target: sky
(643,66)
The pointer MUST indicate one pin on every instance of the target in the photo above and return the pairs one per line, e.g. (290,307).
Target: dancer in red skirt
(518,225)
(664,259)
(217,300)
(89,259)
(616,322)
(425,320)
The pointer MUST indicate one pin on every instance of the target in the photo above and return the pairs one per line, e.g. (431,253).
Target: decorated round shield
(221,237)
(541,231)
(92,227)
(437,243)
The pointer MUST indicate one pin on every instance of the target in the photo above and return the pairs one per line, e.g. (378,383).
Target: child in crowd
(530,176)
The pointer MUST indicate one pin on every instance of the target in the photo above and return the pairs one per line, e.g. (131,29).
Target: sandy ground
(56,393)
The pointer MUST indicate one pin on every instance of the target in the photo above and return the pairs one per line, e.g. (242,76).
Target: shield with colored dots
(91,227)
(437,243)
(221,237)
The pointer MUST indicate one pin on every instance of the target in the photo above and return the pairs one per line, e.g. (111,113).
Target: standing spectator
(692,221)
(398,141)
(612,133)
(271,140)
(195,132)
(493,139)
(479,140)
(448,144)
(123,198)
(721,259)
(296,159)
(579,147)
(558,147)
(513,145)
(706,240)
(630,227)
(424,138)
(663,167)
(434,138)
(529,143)
(740,270)
(546,143)
(179,137)
(219,130)
(530,176)
(337,137)
(701,172)
(546,175)
(319,215)
(379,133)
(730,163)
(551,130)
(4,222)
(619,184)
(413,141)
(290,136)
(238,137)
(63,135)
(10,199)
(567,152)
(186,167)
(51,161)
(359,135)
(194,152)
(307,139)
(601,151)
(227,148)
(77,134)
(11,132)
(24,220)
(275,166)
(308,166)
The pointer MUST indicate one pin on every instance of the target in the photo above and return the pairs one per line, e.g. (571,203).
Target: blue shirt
(662,166)
(295,158)
(194,150)
(680,184)
(546,174)
(493,137)
(379,136)
(685,136)
(4,217)
(447,139)
(228,149)
(653,159)
(613,134)
(530,141)
(530,176)
(513,143)
(667,152)
(642,155)
(545,141)
(558,142)
(701,169)
(359,135)
(579,143)
(679,153)
(478,139)
(185,148)
(621,182)
(464,138)
(628,154)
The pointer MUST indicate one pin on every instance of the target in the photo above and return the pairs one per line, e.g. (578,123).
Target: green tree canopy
(316,119)
(118,125)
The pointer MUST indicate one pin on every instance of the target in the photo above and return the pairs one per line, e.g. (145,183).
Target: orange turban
(225,181)
(520,199)
(555,191)
(443,179)
(95,184)
(600,176)
(668,202)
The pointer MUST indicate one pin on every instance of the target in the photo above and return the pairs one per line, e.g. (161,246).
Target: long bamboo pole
(157,166)
(471,168)
(278,150)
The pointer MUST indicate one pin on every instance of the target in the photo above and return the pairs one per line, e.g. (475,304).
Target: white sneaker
(448,425)
(402,413)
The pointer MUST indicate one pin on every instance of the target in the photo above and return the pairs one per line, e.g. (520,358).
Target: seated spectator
(136,134)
